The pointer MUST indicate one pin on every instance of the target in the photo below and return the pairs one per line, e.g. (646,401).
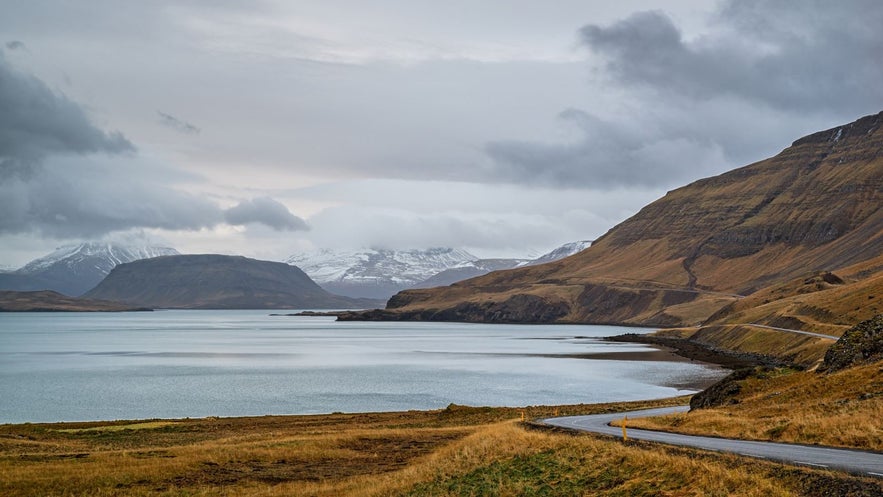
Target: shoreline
(698,352)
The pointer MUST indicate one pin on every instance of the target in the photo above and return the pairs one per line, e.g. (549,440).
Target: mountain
(74,269)
(216,282)
(483,266)
(49,301)
(376,273)
(468,270)
(561,252)
(695,252)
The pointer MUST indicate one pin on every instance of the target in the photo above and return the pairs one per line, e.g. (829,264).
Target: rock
(723,392)
(861,344)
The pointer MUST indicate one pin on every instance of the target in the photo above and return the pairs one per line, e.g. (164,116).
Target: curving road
(807,333)
(853,461)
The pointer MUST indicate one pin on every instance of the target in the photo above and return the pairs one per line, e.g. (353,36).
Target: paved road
(809,333)
(853,461)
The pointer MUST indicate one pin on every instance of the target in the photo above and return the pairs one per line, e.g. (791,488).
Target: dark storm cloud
(15,45)
(36,122)
(820,56)
(266,211)
(173,122)
(697,106)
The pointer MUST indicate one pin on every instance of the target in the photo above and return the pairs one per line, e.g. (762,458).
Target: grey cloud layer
(266,211)
(53,183)
(695,107)
(610,154)
(819,56)
(36,122)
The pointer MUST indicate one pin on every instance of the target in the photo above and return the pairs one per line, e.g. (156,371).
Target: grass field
(458,451)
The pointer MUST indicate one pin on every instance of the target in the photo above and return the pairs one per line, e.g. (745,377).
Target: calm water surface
(171,364)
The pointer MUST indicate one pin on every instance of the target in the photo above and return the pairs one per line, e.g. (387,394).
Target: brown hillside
(814,207)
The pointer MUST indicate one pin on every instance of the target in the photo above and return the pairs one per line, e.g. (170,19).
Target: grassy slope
(843,409)
(456,451)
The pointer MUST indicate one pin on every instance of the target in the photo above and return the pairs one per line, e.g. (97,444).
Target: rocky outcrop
(862,344)
(723,392)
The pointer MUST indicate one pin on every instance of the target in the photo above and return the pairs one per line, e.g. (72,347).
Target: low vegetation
(454,451)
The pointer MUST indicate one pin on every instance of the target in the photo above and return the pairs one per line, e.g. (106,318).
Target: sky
(505,127)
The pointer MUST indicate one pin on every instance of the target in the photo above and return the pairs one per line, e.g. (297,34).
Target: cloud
(173,122)
(696,106)
(820,57)
(36,122)
(89,197)
(264,210)
(61,176)
(609,154)
(16,45)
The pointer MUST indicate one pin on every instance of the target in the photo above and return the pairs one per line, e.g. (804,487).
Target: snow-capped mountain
(376,273)
(75,269)
(561,252)
(469,270)
(483,266)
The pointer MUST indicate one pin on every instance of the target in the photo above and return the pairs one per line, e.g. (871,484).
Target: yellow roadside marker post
(522,416)
(625,437)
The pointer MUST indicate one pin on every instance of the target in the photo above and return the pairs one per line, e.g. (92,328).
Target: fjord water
(173,364)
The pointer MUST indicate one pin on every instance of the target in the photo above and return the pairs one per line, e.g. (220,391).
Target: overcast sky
(506,127)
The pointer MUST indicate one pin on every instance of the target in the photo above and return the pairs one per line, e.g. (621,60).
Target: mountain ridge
(376,272)
(813,207)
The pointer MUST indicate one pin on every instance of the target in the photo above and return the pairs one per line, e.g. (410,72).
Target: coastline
(695,351)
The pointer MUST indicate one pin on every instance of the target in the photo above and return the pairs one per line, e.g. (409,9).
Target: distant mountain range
(380,273)
(217,282)
(483,266)
(75,269)
(376,273)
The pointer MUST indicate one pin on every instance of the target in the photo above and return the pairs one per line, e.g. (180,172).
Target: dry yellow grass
(455,451)
(843,409)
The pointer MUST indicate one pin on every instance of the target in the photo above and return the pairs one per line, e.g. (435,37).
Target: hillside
(216,282)
(49,301)
(814,207)
(75,269)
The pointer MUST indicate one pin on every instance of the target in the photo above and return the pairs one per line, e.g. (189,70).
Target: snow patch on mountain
(371,265)
(376,273)
(75,269)
(483,266)
(561,252)
(98,256)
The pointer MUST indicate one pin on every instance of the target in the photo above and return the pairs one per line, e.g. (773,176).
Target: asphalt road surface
(853,461)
